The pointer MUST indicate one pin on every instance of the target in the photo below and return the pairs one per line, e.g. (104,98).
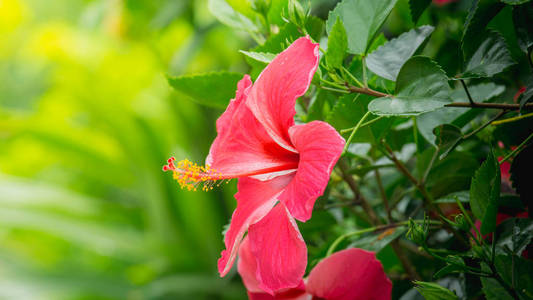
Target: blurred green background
(87,119)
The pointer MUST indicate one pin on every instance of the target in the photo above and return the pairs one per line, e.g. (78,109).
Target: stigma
(191,176)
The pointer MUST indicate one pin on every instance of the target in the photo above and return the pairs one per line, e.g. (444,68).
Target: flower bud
(416,232)
(297,13)
(461,222)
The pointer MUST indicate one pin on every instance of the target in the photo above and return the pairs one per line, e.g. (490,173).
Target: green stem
(351,76)
(517,149)
(334,90)
(354,131)
(343,131)
(430,165)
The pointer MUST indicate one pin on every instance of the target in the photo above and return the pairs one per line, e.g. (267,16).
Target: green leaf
(422,86)
(227,15)
(362,19)
(337,45)
(210,89)
(515,2)
(348,110)
(447,137)
(462,196)
(259,56)
(514,234)
(455,115)
(433,291)
(455,264)
(493,289)
(479,15)
(484,193)
(522,19)
(516,272)
(388,59)
(451,174)
(490,58)
(417,7)
(377,241)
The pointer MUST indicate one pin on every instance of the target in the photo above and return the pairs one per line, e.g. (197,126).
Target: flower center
(190,175)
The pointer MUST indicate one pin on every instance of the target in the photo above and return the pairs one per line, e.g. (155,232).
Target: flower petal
(279,250)
(242,146)
(319,146)
(255,199)
(247,267)
(351,274)
(272,99)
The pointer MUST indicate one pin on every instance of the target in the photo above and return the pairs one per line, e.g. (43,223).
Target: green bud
(416,232)
(461,222)
(297,13)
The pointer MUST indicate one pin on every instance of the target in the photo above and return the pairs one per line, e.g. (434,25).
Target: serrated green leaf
(388,59)
(362,20)
(479,15)
(210,89)
(455,115)
(348,110)
(227,15)
(447,137)
(490,58)
(259,56)
(417,7)
(522,19)
(421,86)
(337,45)
(433,291)
(484,193)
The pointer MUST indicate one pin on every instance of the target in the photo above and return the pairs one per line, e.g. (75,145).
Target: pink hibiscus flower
(349,274)
(282,167)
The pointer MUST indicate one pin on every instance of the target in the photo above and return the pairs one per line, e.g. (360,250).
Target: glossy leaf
(362,20)
(490,58)
(433,291)
(211,89)
(485,192)
(337,45)
(388,59)
(514,235)
(422,86)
